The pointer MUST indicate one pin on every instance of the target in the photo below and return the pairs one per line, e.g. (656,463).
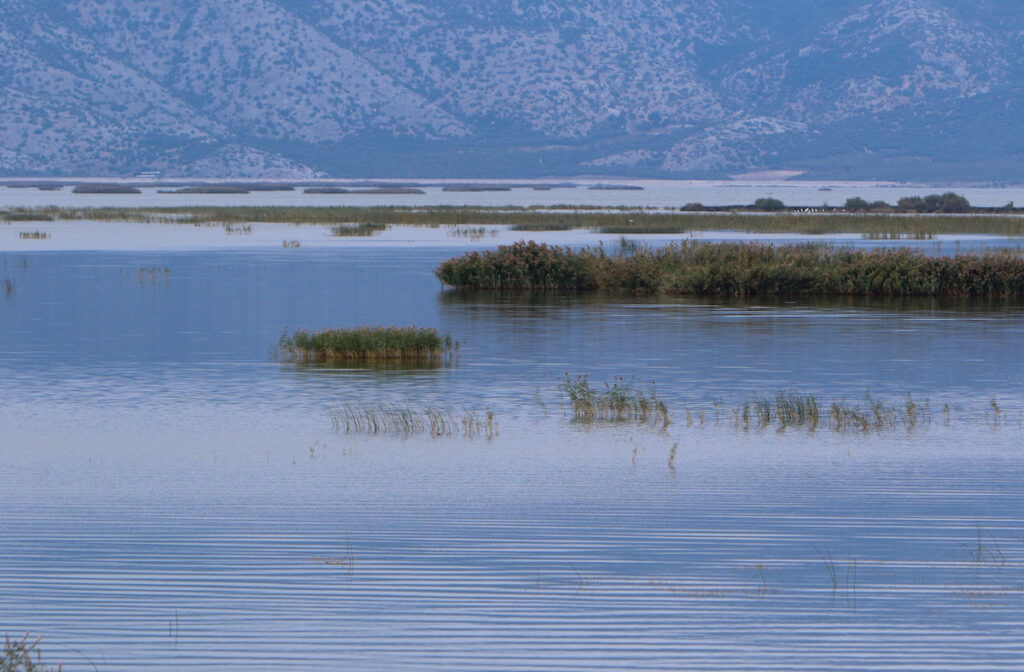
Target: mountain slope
(851,88)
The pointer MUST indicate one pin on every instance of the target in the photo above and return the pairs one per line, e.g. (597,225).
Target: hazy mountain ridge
(860,88)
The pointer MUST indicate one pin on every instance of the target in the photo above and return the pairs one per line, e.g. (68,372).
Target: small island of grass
(740,269)
(95,188)
(366,344)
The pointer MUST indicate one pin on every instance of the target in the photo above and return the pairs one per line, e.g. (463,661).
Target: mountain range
(836,89)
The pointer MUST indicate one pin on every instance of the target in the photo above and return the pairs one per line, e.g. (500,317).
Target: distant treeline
(948,203)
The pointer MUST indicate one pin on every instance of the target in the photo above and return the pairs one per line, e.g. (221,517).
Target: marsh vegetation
(367,344)
(105,189)
(23,655)
(561,218)
(364,229)
(620,401)
(739,269)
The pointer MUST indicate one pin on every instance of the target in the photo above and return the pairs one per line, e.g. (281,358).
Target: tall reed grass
(620,401)
(367,344)
(739,269)
(788,409)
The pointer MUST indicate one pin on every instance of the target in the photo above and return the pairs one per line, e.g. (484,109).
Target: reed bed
(739,269)
(25,216)
(411,420)
(33,235)
(559,218)
(620,401)
(367,344)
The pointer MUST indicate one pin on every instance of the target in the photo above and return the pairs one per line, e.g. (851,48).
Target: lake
(175,498)
(522,193)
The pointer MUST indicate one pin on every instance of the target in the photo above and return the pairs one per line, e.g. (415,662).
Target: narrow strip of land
(561,218)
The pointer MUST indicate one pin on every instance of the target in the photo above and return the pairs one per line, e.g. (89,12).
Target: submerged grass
(620,401)
(560,218)
(411,420)
(739,269)
(367,344)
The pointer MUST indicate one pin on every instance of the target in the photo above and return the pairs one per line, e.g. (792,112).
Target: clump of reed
(787,409)
(23,655)
(367,344)
(473,233)
(238,229)
(620,401)
(876,415)
(152,274)
(361,229)
(33,235)
(411,420)
(290,244)
(740,269)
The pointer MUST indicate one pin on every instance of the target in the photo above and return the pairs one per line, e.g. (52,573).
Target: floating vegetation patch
(411,420)
(362,229)
(23,655)
(367,344)
(33,235)
(326,190)
(105,189)
(739,269)
(620,401)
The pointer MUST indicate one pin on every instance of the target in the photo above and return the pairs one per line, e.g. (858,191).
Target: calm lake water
(174,498)
(651,194)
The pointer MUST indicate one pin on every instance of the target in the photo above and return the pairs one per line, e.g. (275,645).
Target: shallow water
(173,498)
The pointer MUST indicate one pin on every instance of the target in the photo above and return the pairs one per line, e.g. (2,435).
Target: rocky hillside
(490,88)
